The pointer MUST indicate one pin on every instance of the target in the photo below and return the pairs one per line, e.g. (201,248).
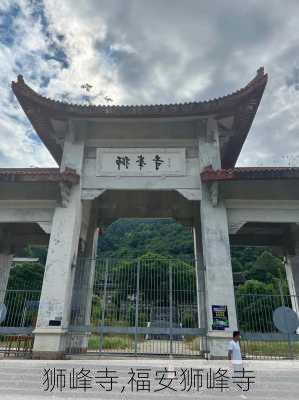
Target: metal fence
(16,338)
(260,338)
(146,306)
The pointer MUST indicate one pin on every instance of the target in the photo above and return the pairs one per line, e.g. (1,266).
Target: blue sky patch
(7,32)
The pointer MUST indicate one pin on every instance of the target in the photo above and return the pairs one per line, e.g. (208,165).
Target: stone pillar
(216,247)
(83,285)
(91,274)
(5,266)
(55,302)
(292,274)
(200,285)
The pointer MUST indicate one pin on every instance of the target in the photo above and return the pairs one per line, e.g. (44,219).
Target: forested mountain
(255,269)
(134,238)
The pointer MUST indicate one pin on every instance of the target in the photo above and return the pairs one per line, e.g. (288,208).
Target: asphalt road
(134,378)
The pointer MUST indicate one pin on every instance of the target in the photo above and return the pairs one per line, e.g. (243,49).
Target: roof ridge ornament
(20,79)
(260,72)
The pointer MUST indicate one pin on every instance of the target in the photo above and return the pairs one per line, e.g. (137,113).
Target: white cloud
(152,52)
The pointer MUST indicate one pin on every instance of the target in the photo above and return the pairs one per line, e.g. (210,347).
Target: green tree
(266,267)
(255,303)
(26,276)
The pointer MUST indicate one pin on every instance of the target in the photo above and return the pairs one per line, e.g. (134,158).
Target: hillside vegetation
(256,270)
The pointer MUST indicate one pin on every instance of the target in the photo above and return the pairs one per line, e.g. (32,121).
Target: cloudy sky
(141,51)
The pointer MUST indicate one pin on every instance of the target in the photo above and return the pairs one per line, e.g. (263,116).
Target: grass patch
(257,348)
(111,342)
(269,348)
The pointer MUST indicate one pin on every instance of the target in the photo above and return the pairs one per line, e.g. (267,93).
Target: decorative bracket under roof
(234,227)
(91,194)
(190,194)
(213,188)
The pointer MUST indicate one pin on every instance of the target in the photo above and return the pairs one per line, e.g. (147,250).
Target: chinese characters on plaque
(125,162)
(140,162)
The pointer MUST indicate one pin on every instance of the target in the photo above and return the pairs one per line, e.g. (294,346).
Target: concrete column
(55,302)
(91,274)
(292,273)
(5,266)
(216,247)
(83,285)
(200,285)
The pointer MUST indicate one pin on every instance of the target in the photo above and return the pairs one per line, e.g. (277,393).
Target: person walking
(235,356)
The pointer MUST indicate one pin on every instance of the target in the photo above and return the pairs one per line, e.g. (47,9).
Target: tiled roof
(242,105)
(38,175)
(153,110)
(254,173)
